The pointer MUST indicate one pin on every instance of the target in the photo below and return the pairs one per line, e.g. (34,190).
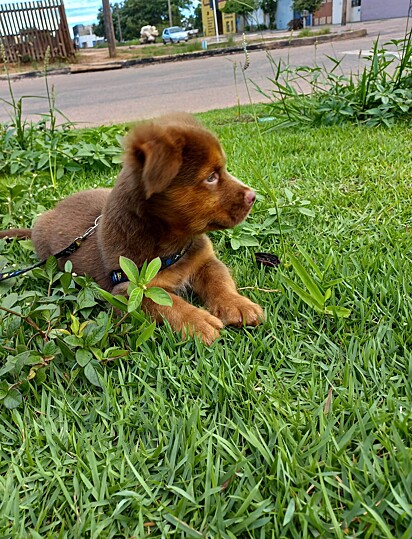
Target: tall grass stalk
(267,187)
(17,106)
(380,94)
(50,95)
(46,144)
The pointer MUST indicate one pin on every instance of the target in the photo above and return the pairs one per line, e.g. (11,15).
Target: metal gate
(28,29)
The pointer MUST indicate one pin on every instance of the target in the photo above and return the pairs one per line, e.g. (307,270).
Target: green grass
(379,94)
(171,48)
(299,428)
(308,32)
(174,48)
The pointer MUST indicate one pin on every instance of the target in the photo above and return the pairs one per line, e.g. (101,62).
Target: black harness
(119,276)
(75,244)
(116,276)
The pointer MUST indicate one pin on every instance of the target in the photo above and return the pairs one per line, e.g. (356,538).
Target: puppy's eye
(213,178)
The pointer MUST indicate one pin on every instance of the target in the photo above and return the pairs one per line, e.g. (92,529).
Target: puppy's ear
(161,159)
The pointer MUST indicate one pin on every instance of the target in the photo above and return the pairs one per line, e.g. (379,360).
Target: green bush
(309,32)
(380,95)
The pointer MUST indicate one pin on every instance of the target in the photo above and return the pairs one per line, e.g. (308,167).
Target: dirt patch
(83,57)
(101,56)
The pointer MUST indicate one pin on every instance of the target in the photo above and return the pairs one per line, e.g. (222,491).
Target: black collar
(118,276)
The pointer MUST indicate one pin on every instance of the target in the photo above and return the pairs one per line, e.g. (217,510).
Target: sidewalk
(268,40)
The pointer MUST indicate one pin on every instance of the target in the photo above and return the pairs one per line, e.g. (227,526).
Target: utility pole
(170,13)
(215,5)
(344,12)
(108,27)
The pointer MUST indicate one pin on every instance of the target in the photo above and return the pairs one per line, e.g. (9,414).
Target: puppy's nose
(250,197)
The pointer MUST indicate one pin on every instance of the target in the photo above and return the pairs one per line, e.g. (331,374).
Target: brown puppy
(172,189)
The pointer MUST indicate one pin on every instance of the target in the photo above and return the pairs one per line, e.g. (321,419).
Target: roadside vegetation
(133,50)
(314,96)
(308,32)
(147,51)
(110,427)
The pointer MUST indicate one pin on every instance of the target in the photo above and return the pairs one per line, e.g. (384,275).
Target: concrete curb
(33,74)
(267,45)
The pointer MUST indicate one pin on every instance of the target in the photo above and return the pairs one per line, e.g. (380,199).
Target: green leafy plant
(61,152)
(308,5)
(317,291)
(277,220)
(62,325)
(138,286)
(380,95)
(51,148)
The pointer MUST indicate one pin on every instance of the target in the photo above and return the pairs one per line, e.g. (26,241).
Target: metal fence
(28,29)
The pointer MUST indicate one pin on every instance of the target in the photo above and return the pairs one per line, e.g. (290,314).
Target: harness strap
(118,276)
(67,251)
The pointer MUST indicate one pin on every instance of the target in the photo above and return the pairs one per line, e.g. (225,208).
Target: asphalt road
(97,98)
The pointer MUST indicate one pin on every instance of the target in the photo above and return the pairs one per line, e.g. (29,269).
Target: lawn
(299,428)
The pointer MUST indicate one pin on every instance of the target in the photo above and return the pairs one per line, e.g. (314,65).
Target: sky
(82,11)
(77,11)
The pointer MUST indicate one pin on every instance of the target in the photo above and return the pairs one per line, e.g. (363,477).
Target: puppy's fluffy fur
(172,189)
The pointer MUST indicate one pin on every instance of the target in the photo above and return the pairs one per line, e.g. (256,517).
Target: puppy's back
(57,228)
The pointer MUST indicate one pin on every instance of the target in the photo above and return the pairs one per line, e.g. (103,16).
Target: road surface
(97,98)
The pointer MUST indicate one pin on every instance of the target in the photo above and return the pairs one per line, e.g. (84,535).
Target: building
(284,14)
(353,11)
(324,13)
(330,12)
(368,10)
(383,9)
(84,37)
(226,22)
(229,23)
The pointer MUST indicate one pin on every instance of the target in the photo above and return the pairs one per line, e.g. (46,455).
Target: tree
(194,19)
(269,7)
(308,5)
(130,16)
(99,28)
(138,13)
(197,22)
(240,7)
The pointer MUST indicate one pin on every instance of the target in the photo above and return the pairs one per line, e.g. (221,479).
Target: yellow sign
(226,21)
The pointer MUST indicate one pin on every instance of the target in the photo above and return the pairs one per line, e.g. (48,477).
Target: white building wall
(256,18)
(86,42)
(353,14)
(337,12)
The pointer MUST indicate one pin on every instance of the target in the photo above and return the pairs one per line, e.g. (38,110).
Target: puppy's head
(181,168)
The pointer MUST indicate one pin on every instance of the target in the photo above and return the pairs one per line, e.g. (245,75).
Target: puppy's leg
(181,316)
(185,318)
(216,288)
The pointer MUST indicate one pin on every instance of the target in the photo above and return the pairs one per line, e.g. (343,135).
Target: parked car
(192,32)
(174,34)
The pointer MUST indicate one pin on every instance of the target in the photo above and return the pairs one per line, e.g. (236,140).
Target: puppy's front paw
(204,325)
(238,311)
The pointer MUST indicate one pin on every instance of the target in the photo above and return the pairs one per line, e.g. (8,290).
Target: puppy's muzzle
(250,197)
